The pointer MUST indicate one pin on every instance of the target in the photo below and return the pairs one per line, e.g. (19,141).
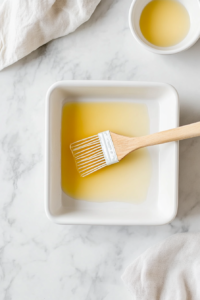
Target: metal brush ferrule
(108,147)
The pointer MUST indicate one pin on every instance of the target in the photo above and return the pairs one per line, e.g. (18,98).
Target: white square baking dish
(160,205)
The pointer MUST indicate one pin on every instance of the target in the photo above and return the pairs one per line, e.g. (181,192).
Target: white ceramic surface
(160,205)
(193,8)
(38,258)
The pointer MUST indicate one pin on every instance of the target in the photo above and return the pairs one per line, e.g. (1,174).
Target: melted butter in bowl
(126,181)
(164,23)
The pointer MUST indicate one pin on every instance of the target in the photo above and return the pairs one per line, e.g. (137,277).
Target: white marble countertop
(41,260)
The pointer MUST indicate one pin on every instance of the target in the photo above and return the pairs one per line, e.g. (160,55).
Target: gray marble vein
(41,260)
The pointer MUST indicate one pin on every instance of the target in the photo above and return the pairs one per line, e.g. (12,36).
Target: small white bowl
(193,8)
(160,205)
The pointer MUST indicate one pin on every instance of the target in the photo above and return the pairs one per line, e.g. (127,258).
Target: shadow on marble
(186,60)
(99,13)
(189,170)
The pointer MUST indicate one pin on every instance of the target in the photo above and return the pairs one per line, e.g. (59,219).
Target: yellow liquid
(127,180)
(164,23)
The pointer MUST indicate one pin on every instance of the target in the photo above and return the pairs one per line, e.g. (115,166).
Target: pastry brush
(106,148)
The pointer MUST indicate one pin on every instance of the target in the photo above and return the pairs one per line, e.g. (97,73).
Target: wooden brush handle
(176,134)
(124,145)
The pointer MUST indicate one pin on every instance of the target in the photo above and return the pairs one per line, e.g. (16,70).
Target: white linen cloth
(170,271)
(25,25)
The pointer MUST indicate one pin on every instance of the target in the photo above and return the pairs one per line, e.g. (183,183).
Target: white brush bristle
(88,155)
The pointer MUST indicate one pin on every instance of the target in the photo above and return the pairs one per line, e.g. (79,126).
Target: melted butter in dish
(126,181)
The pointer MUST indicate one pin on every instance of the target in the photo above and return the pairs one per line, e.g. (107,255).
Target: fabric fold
(27,25)
(168,271)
